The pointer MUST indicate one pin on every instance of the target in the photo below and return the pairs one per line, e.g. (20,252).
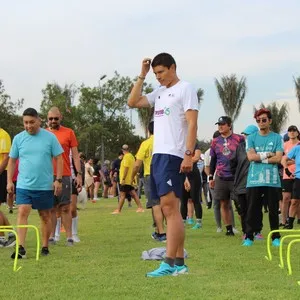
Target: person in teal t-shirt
(264,151)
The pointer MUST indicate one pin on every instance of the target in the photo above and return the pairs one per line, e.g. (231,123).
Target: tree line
(97,114)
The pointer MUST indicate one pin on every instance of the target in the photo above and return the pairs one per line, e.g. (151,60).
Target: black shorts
(65,197)
(223,189)
(3,183)
(287,185)
(296,189)
(126,188)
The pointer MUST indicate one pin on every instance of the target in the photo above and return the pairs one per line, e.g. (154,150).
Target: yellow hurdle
(269,254)
(15,269)
(281,265)
(288,256)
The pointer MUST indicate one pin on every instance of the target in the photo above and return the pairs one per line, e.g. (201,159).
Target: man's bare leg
(46,226)
(22,219)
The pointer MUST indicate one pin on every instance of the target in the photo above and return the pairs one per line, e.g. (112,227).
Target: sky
(76,41)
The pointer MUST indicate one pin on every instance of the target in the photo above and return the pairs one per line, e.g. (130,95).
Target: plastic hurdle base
(38,242)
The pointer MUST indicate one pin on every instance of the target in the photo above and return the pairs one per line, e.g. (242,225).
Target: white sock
(57,228)
(75,226)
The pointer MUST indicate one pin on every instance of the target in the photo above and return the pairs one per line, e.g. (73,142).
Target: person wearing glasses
(62,204)
(264,151)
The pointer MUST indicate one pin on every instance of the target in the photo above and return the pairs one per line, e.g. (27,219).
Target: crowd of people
(42,169)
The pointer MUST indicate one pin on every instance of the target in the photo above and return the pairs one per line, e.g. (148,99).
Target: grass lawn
(106,264)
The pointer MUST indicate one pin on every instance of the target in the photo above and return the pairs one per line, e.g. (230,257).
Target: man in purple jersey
(222,149)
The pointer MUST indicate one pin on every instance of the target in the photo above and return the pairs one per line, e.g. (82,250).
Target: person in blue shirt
(293,154)
(264,151)
(34,147)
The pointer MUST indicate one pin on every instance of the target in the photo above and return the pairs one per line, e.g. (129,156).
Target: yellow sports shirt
(5,144)
(145,154)
(127,162)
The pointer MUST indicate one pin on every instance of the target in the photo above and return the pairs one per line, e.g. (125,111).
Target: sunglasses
(55,119)
(261,120)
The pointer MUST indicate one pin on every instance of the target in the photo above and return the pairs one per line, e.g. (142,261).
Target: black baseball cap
(224,120)
(293,128)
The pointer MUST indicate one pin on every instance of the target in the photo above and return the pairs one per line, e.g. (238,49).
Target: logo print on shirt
(160,113)
(169,182)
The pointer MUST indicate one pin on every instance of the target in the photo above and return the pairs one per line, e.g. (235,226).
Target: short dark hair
(163,59)
(30,112)
(151,127)
(261,112)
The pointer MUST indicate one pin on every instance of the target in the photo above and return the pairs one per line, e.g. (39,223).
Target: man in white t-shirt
(175,129)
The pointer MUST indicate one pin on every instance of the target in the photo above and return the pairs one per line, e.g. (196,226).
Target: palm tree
(279,115)
(200,94)
(297,86)
(232,93)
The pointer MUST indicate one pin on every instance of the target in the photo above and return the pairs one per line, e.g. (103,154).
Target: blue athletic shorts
(39,200)
(165,176)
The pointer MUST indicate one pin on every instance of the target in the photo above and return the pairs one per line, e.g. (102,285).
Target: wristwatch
(79,173)
(188,153)
(59,180)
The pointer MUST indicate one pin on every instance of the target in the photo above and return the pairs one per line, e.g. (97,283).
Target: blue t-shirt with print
(261,174)
(294,153)
(35,153)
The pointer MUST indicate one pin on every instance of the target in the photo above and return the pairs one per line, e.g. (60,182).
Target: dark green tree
(297,87)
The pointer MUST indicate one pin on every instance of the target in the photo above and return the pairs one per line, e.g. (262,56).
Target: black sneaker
(229,233)
(10,211)
(22,253)
(11,242)
(45,251)
(288,226)
(281,225)
(70,242)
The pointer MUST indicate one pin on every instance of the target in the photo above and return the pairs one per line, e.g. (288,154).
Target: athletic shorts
(65,197)
(287,185)
(147,188)
(165,175)
(3,183)
(126,188)
(74,188)
(296,189)
(40,200)
(223,189)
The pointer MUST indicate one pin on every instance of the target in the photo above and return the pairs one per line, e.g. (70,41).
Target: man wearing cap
(126,186)
(221,151)
(240,165)
(175,130)
(290,194)
(264,151)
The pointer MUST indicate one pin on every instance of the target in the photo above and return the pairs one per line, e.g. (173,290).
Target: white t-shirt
(170,124)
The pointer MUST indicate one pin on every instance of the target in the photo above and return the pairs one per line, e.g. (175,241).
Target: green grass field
(107,264)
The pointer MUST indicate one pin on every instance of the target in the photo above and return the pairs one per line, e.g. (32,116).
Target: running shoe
(162,238)
(52,241)
(45,251)
(11,241)
(154,235)
(258,236)
(163,270)
(229,233)
(75,238)
(197,226)
(276,242)
(219,229)
(288,226)
(190,221)
(22,253)
(70,242)
(182,269)
(2,243)
(235,231)
(247,243)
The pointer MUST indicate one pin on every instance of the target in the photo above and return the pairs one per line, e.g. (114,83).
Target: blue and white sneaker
(276,242)
(197,226)
(162,238)
(163,270)
(247,243)
(190,221)
(182,269)
(154,235)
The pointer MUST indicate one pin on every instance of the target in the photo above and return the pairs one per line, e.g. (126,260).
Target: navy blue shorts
(165,176)
(40,200)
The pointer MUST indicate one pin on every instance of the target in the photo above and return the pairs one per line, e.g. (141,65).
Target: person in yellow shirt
(144,156)
(5,144)
(126,185)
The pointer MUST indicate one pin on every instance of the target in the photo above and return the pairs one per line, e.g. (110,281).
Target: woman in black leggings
(191,190)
